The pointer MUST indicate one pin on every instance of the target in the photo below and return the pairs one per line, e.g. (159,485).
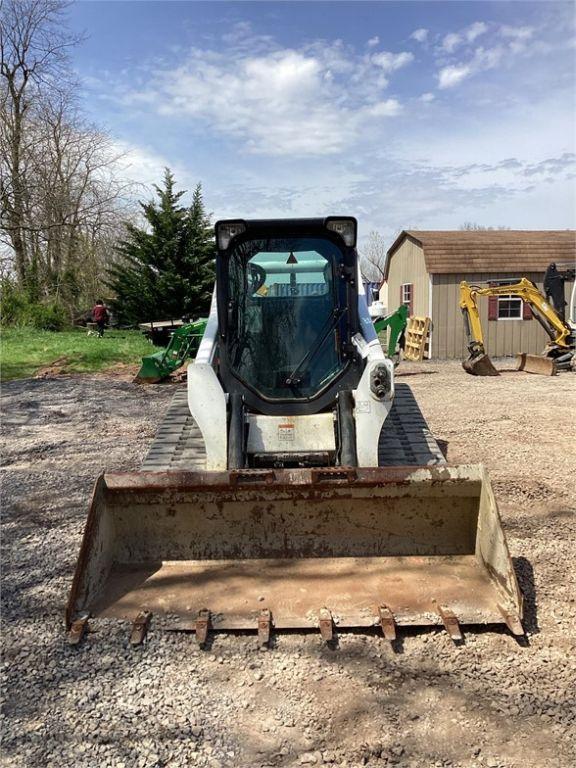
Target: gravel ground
(489,702)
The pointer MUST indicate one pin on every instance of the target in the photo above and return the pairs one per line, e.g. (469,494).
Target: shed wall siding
(407,266)
(501,337)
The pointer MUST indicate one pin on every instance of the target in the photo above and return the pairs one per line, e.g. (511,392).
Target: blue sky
(404,114)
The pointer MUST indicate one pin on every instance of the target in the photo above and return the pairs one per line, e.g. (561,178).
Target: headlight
(346,228)
(226,230)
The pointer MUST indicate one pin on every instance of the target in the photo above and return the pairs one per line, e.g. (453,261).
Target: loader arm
(397,323)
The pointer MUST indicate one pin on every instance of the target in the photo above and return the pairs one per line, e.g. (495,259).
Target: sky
(421,115)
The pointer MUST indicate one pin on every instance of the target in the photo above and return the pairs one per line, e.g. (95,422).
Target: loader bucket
(412,546)
(152,371)
(545,366)
(480,365)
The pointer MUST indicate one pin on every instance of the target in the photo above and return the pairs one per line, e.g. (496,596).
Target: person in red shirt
(100,316)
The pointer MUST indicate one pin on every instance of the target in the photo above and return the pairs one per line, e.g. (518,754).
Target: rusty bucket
(363,547)
(480,365)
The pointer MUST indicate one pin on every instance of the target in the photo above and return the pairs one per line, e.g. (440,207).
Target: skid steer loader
(298,487)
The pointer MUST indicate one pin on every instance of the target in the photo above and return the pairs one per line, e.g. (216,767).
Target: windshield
(285,315)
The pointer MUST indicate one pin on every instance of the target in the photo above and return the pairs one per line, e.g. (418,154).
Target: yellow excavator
(559,353)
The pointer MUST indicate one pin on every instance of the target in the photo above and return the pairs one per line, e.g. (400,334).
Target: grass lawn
(23,351)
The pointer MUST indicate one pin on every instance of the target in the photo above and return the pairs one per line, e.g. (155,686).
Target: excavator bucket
(296,549)
(545,366)
(480,365)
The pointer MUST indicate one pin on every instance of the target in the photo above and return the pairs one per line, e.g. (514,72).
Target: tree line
(70,228)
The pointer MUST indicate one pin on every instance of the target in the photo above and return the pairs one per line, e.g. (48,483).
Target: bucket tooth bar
(140,627)
(264,624)
(326,625)
(78,629)
(387,622)
(512,620)
(450,622)
(202,626)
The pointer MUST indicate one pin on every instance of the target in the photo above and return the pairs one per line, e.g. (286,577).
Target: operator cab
(288,307)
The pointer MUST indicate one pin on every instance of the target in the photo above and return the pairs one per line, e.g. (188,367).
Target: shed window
(407,295)
(509,307)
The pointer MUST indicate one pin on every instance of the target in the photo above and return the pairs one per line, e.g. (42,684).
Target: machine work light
(345,227)
(226,230)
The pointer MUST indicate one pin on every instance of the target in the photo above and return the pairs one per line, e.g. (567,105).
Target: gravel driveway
(489,702)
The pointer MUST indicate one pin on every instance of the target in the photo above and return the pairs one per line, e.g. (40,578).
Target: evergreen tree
(165,270)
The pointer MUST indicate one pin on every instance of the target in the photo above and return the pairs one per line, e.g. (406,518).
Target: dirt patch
(119,372)
(490,702)
(56,368)
(60,367)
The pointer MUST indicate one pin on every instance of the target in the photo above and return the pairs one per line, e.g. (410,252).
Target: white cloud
(373,41)
(518,38)
(390,62)
(309,101)
(487,58)
(420,35)
(451,42)
(509,42)
(273,120)
(475,30)
(387,108)
(141,165)
(454,40)
(516,33)
(450,76)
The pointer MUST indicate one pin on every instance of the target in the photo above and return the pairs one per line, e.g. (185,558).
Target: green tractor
(185,341)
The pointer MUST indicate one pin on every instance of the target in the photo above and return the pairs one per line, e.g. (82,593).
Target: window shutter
(526,311)
(492,304)
(492,307)
(401,296)
(411,299)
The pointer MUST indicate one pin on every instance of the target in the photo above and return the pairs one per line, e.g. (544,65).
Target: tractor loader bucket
(151,371)
(480,365)
(302,549)
(545,366)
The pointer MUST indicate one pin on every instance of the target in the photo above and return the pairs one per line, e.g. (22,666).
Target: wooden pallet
(416,344)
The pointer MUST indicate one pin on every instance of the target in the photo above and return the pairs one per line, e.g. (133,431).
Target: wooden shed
(424,270)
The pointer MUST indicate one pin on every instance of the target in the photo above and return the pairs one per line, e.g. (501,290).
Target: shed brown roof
(493,250)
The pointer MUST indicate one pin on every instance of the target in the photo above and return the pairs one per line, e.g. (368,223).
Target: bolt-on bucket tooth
(480,365)
(545,366)
(302,543)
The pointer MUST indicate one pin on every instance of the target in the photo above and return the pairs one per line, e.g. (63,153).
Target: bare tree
(373,259)
(60,194)
(471,226)
(33,60)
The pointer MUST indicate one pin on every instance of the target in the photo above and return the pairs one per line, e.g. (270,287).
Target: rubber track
(405,440)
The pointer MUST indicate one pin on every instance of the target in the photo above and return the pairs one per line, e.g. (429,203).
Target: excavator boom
(560,349)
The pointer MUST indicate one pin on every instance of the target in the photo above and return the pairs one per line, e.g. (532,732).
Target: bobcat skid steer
(297,488)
